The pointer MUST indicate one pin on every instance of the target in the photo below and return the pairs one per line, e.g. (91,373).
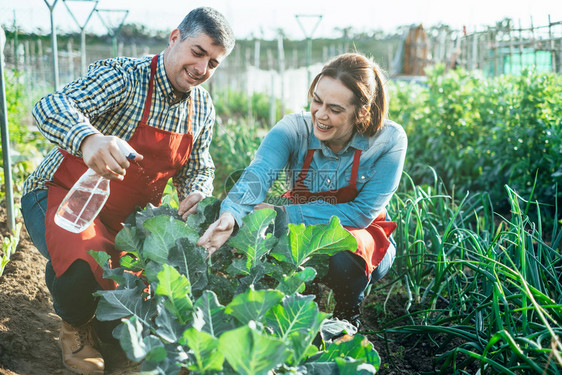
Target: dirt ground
(29,326)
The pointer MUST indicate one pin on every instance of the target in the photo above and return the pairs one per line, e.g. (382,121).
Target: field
(476,285)
(29,326)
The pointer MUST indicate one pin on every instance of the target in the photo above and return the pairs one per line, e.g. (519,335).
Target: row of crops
(478,250)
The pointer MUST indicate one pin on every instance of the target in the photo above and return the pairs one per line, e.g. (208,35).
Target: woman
(344,159)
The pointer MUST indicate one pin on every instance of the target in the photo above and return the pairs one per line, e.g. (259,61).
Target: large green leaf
(358,348)
(329,239)
(296,320)
(352,366)
(131,340)
(122,303)
(164,231)
(151,211)
(207,212)
(128,240)
(251,353)
(204,351)
(176,288)
(252,239)
(212,318)
(295,313)
(296,282)
(253,305)
(168,328)
(190,260)
(254,279)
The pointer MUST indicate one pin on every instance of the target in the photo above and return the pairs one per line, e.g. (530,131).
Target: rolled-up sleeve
(271,158)
(199,171)
(63,117)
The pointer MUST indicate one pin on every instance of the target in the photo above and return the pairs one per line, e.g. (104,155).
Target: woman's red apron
(372,242)
(164,154)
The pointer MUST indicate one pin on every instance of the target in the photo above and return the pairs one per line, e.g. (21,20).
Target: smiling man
(157,106)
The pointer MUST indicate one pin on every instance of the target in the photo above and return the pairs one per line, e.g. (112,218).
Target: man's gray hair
(211,22)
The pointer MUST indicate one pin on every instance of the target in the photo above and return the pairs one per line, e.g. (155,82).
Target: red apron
(164,154)
(372,242)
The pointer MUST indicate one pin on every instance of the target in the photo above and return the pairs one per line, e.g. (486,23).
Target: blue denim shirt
(285,148)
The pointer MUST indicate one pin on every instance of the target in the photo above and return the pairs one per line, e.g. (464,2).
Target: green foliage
(9,245)
(235,105)
(235,312)
(490,283)
(25,145)
(232,149)
(481,134)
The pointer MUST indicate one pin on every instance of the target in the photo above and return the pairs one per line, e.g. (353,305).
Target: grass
(490,283)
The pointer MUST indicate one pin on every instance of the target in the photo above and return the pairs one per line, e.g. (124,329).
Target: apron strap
(148,101)
(306,165)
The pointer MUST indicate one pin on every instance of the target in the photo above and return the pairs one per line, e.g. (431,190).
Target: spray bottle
(86,198)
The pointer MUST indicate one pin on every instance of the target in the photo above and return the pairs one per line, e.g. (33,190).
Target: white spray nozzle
(127,150)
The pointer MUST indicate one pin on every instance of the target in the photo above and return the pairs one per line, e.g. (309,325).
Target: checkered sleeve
(63,117)
(199,171)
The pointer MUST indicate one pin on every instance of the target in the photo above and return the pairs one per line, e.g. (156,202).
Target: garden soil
(29,327)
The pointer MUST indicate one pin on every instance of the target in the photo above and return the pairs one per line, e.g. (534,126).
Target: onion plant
(491,283)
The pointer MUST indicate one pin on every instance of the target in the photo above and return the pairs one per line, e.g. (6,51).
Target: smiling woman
(332,113)
(342,159)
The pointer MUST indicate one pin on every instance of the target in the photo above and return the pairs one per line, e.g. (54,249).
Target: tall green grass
(491,284)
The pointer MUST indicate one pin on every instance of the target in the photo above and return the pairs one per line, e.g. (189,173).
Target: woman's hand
(217,233)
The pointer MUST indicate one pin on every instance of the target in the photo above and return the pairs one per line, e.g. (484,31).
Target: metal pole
(281,54)
(54,44)
(552,50)
(6,140)
(83,64)
(82,27)
(308,35)
(114,45)
(113,31)
(308,58)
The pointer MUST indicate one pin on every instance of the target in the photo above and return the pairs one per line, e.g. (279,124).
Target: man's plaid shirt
(110,100)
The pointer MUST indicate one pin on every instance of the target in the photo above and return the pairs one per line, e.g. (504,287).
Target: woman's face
(332,113)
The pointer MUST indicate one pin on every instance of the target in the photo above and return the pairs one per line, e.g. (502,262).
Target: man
(156,106)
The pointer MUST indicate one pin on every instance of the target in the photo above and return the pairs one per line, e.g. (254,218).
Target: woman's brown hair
(365,79)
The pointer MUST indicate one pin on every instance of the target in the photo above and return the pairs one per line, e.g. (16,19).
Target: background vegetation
(479,239)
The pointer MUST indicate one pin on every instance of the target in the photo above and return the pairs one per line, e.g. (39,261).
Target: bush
(483,134)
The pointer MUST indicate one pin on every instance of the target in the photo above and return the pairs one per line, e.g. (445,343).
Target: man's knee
(347,263)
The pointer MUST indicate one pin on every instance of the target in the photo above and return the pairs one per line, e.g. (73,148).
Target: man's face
(191,62)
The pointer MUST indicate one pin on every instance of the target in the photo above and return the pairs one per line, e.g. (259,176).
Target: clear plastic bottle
(86,198)
(83,202)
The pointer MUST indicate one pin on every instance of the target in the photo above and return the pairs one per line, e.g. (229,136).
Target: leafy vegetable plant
(237,312)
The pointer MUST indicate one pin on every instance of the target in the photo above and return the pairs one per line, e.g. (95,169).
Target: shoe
(79,353)
(351,314)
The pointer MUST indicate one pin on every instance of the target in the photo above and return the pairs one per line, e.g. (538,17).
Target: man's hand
(189,205)
(107,155)
(217,233)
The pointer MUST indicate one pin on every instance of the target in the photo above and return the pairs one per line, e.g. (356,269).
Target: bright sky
(262,17)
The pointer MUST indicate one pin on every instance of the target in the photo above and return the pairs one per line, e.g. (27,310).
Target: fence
(282,72)
(497,50)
